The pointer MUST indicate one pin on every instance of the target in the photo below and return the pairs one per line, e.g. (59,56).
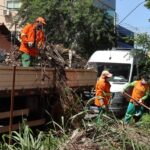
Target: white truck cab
(120,63)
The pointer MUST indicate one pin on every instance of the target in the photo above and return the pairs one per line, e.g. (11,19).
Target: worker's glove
(30,44)
(103,107)
(140,100)
(101,102)
(39,46)
(122,91)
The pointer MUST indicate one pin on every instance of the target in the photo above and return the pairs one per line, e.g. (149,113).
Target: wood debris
(106,134)
(79,141)
(49,56)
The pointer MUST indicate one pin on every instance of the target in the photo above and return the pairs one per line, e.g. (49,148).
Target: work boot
(137,114)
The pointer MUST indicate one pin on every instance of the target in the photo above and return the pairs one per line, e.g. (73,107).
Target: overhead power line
(131,12)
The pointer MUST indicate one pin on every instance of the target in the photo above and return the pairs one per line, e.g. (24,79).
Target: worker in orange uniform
(140,93)
(103,90)
(32,40)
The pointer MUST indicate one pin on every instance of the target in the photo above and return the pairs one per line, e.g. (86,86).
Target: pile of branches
(64,57)
(50,56)
(69,100)
(60,58)
(10,58)
(106,134)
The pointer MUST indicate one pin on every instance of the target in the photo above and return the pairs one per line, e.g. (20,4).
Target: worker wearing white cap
(103,90)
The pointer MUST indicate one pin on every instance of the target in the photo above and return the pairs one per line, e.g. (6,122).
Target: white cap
(106,73)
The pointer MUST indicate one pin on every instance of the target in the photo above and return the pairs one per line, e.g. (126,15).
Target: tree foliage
(147,4)
(142,41)
(75,23)
(141,53)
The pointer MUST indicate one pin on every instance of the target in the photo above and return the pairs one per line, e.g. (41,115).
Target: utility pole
(13,89)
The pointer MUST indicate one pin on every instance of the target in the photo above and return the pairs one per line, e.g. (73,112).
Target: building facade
(123,37)
(8,11)
(108,5)
(121,32)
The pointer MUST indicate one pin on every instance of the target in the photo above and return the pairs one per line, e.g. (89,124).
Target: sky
(137,21)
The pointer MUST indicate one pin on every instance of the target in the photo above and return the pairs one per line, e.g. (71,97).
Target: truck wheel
(118,105)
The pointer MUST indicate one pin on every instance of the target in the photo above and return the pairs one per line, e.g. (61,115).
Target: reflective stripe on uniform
(99,97)
(128,115)
(106,94)
(23,34)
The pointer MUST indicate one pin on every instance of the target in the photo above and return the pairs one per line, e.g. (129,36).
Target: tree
(142,41)
(147,4)
(141,53)
(75,23)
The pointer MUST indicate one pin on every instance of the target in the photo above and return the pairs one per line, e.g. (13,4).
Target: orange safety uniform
(102,90)
(28,35)
(139,90)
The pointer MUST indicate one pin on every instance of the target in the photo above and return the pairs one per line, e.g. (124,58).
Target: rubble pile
(105,135)
(79,141)
(57,57)
(49,56)
(11,57)
(67,57)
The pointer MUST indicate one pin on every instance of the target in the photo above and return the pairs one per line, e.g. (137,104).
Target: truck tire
(118,105)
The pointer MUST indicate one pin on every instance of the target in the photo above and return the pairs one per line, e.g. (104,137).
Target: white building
(8,11)
(121,32)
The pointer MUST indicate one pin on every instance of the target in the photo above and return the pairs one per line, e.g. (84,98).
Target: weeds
(145,121)
(107,134)
(25,139)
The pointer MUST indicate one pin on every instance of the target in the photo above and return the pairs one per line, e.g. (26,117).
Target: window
(13,4)
(121,72)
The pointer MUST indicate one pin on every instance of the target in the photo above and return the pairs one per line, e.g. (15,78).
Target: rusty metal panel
(26,78)
(81,77)
(31,78)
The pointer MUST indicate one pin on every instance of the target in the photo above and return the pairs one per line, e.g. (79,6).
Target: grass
(107,133)
(25,139)
(145,121)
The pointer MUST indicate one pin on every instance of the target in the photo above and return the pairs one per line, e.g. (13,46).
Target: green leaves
(26,140)
(147,4)
(72,22)
(141,52)
(143,41)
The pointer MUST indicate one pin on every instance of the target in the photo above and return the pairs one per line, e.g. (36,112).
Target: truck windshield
(120,72)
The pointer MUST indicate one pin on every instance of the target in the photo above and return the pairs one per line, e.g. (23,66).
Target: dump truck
(30,88)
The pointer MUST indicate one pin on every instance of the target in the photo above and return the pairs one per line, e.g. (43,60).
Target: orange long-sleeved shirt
(139,90)
(28,35)
(102,90)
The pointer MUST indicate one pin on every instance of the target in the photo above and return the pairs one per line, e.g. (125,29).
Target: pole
(12,104)
(137,101)
(12,96)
